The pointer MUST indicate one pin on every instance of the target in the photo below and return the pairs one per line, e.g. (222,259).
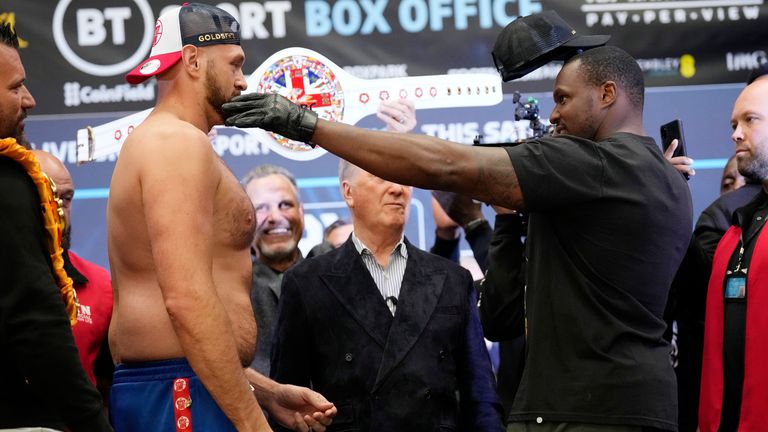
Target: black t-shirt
(751,218)
(609,224)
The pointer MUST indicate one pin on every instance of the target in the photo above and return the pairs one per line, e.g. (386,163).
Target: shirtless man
(180,228)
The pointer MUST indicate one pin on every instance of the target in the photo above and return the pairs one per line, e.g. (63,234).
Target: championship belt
(309,78)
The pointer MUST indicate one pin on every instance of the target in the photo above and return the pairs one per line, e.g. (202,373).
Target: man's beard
(16,132)
(755,167)
(277,253)
(22,139)
(213,94)
(66,237)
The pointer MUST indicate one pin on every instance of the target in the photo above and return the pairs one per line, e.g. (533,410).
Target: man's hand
(299,408)
(399,115)
(271,112)
(446,228)
(460,208)
(681,163)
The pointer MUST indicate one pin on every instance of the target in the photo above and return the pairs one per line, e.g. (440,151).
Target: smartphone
(670,131)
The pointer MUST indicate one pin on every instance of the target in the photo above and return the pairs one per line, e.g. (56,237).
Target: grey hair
(266,170)
(346,169)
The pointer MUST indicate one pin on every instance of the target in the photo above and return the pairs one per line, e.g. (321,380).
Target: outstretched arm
(483,173)
(423,161)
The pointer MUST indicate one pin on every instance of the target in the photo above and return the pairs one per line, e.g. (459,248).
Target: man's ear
(607,93)
(346,192)
(191,58)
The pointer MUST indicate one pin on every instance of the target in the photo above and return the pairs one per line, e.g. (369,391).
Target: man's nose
(27,101)
(397,189)
(240,82)
(554,116)
(738,134)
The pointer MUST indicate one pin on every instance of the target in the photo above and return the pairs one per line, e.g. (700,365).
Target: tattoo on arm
(497,183)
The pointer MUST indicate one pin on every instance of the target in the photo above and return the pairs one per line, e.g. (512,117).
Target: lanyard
(741,257)
(752,237)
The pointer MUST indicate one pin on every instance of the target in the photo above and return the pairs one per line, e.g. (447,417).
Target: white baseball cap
(190,24)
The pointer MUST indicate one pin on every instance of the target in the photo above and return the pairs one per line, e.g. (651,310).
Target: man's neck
(185,104)
(621,121)
(380,242)
(281,265)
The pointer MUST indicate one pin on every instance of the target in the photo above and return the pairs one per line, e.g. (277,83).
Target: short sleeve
(557,171)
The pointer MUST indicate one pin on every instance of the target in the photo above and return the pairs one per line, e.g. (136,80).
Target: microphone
(392,299)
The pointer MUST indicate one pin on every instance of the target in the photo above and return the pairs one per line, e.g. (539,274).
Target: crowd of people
(212,319)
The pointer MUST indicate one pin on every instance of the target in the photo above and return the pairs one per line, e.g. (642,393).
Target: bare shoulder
(163,144)
(164,135)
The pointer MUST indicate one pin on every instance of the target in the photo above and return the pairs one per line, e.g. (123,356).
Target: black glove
(272,112)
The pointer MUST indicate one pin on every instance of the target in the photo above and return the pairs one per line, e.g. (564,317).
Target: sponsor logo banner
(77,51)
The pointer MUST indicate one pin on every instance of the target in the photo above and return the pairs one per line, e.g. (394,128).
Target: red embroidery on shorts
(181,403)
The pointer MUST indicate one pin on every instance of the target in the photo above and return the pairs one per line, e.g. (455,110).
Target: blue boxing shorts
(163,396)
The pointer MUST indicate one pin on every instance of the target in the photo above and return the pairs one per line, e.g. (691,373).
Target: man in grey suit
(389,332)
(279,226)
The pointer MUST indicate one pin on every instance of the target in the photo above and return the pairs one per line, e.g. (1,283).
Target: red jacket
(754,403)
(94,313)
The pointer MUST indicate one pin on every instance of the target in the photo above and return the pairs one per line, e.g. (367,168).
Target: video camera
(529,111)
(523,111)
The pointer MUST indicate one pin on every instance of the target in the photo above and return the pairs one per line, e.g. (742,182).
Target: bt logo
(93,29)
(120,32)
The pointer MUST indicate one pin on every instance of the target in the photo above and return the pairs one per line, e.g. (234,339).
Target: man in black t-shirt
(609,222)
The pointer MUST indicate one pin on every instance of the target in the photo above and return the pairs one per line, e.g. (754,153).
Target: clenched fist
(271,112)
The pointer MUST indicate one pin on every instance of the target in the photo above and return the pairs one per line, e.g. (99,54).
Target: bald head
(54,168)
(749,121)
(59,174)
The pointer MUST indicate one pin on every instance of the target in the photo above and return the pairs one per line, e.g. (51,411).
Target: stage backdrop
(696,55)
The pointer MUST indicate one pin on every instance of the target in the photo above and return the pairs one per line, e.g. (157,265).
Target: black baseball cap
(529,42)
(190,24)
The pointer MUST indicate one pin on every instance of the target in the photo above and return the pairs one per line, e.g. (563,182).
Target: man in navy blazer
(388,332)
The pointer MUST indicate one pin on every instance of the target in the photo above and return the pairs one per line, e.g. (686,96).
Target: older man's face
(279,217)
(376,203)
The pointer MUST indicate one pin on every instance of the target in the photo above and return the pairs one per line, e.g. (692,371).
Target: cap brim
(560,53)
(587,41)
(528,67)
(152,66)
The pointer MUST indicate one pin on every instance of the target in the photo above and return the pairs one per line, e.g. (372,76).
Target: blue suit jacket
(425,369)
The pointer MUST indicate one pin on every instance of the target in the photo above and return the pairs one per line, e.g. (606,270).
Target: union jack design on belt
(306,81)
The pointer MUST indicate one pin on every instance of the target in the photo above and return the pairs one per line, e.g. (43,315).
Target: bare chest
(234,216)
